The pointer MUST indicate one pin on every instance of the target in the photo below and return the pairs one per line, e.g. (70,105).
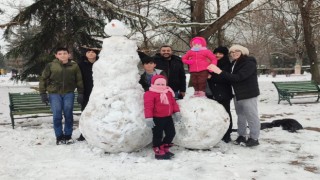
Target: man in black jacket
(173,67)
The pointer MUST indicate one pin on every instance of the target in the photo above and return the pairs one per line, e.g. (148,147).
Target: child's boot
(159,153)
(195,94)
(167,150)
(201,94)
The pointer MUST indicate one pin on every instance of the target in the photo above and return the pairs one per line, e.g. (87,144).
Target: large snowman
(114,119)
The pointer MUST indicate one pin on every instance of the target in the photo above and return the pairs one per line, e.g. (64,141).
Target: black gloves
(80,99)
(44,98)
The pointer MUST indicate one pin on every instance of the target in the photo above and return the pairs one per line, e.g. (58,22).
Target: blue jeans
(58,104)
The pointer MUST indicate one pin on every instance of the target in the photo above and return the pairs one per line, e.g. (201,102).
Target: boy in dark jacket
(159,105)
(60,78)
(149,65)
(85,65)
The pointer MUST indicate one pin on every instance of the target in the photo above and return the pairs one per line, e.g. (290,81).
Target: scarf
(163,92)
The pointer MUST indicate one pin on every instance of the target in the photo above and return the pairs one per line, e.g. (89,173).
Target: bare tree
(306,7)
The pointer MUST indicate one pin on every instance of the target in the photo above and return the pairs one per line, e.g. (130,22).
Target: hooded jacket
(199,60)
(153,106)
(61,78)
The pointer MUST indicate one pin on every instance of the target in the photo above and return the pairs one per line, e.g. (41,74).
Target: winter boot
(159,153)
(68,139)
(81,138)
(167,151)
(201,94)
(195,94)
(226,138)
(60,140)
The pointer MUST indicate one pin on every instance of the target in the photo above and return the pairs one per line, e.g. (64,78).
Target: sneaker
(68,139)
(60,140)
(252,142)
(241,140)
(81,138)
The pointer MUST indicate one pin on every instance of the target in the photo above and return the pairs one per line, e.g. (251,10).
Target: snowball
(204,122)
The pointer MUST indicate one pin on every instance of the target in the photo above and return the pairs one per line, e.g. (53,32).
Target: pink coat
(199,60)
(154,108)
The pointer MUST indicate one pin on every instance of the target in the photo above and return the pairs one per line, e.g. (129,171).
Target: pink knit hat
(160,77)
(198,40)
(160,81)
(162,90)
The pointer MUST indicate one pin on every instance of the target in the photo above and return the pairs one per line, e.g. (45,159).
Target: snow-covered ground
(29,151)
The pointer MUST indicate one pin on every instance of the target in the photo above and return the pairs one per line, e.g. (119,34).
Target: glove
(177,117)
(80,98)
(149,122)
(44,98)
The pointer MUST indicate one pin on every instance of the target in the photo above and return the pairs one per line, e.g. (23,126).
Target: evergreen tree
(2,62)
(54,23)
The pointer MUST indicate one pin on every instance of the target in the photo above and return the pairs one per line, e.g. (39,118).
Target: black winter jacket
(243,78)
(220,88)
(174,70)
(86,71)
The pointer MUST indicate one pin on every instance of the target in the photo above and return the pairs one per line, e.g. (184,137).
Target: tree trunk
(308,38)
(219,32)
(197,15)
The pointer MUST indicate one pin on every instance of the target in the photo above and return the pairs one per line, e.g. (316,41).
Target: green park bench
(290,89)
(30,104)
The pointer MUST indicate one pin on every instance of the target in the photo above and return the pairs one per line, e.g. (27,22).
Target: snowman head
(116,28)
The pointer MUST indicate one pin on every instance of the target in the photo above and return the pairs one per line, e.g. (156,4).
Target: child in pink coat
(159,106)
(198,59)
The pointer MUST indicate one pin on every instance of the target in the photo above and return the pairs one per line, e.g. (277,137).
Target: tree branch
(231,13)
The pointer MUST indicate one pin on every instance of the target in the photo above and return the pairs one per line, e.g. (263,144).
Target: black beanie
(221,49)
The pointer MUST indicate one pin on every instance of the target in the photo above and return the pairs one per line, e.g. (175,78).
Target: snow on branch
(8,24)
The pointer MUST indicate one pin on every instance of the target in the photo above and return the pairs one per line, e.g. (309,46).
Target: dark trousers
(199,80)
(226,105)
(163,124)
